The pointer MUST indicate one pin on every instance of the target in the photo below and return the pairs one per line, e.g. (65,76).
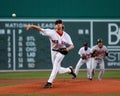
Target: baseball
(13,15)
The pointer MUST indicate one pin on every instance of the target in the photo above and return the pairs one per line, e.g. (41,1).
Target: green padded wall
(60,8)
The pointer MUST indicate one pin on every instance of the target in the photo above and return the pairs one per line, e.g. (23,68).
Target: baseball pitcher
(61,43)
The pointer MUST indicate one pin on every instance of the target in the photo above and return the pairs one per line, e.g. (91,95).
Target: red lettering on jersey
(55,41)
(88,56)
(63,42)
(100,52)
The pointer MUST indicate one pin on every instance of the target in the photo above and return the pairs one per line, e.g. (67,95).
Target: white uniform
(81,61)
(57,41)
(101,54)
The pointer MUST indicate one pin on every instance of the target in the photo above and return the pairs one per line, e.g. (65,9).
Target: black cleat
(90,78)
(48,85)
(72,72)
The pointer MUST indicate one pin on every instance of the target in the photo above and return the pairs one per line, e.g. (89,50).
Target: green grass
(24,75)
(45,75)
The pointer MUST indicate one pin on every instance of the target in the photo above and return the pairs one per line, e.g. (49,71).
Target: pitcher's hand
(28,27)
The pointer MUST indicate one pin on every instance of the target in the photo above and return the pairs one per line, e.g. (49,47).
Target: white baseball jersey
(82,51)
(56,40)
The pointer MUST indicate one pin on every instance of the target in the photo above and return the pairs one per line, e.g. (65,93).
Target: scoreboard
(21,49)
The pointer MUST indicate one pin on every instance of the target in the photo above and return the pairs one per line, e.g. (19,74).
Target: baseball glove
(96,53)
(61,50)
(83,56)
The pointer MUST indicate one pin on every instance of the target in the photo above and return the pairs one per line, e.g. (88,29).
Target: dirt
(61,86)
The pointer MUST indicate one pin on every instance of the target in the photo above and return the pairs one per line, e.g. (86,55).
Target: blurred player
(85,58)
(99,53)
(58,39)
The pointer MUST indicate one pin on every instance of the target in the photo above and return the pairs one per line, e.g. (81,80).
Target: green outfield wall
(60,8)
(30,50)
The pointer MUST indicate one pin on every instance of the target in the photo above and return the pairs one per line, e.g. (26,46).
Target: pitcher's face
(59,27)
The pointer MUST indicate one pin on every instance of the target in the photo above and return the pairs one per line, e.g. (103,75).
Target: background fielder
(59,39)
(99,53)
(85,57)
